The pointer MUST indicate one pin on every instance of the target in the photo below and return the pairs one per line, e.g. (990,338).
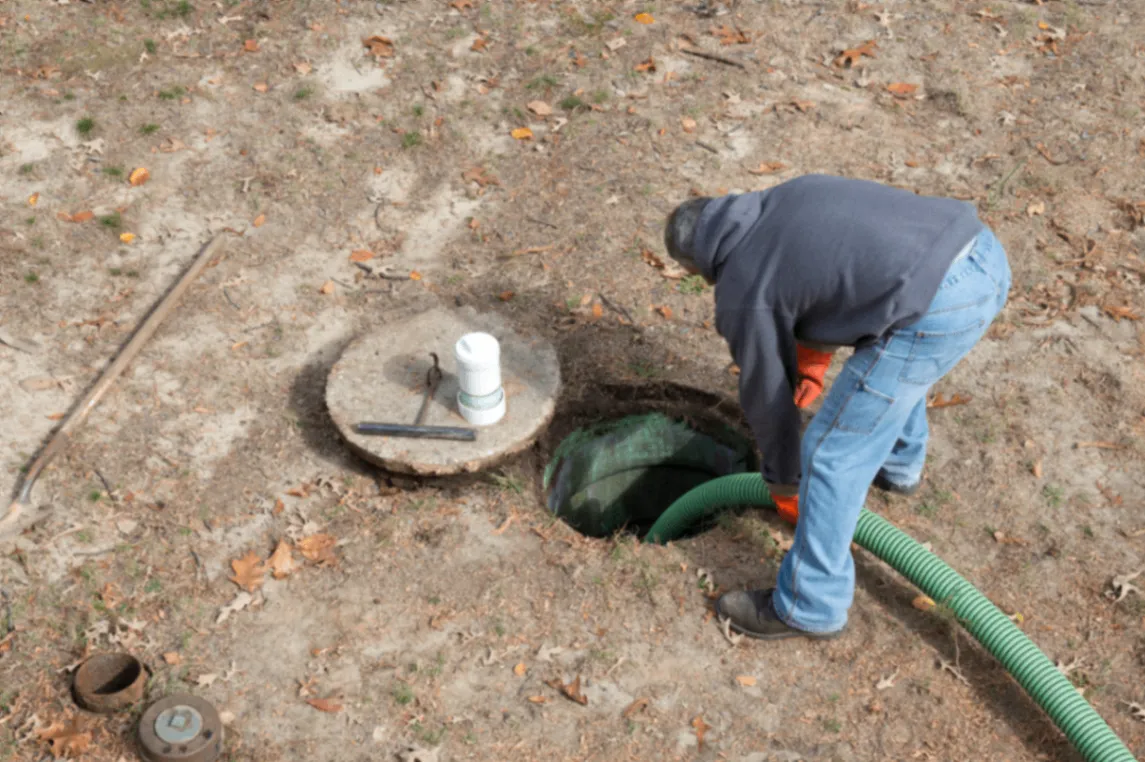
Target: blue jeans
(874,418)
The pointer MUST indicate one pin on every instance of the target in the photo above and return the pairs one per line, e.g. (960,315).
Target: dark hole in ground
(124,675)
(616,460)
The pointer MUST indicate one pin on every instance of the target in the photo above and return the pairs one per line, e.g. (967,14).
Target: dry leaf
(746,680)
(540,108)
(647,66)
(251,46)
(461,4)
(597,311)
(849,58)
(241,601)
(318,548)
(505,296)
(520,669)
(636,706)
(56,416)
(768,168)
(730,35)
(361,255)
(479,44)
(1118,313)
(259,220)
(803,106)
(171,145)
(414,275)
(665,310)
(940,400)
(303,68)
(923,602)
(480,176)
(689,124)
(173,658)
(127,237)
(33,199)
(1036,469)
(570,691)
(538,699)
(83,216)
(261,87)
(327,288)
(902,89)
(701,728)
(138,176)
(522,133)
(281,561)
(249,571)
(379,47)
(644,18)
(1035,208)
(67,738)
(325,705)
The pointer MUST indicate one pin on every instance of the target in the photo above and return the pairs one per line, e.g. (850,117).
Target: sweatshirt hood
(723,226)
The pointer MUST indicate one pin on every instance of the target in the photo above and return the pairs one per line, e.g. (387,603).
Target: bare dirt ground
(442,611)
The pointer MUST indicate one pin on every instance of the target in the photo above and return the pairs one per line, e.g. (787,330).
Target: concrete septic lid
(381,377)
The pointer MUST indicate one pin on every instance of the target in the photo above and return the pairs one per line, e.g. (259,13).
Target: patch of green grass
(171,93)
(508,482)
(418,109)
(154,585)
(30,221)
(927,508)
(148,129)
(411,139)
(1053,494)
(31,278)
(1087,530)
(183,8)
(832,725)
(95,496)
(543,82)
(571,103)
(111,221)
(428,736)
(303,93)
(27,169)
(150,46)
(113,171)
(600,97)
(84,536)
(692,285)
(644,369)
(85,126)
(403,694)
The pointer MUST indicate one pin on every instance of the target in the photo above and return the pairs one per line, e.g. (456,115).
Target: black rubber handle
(455,433)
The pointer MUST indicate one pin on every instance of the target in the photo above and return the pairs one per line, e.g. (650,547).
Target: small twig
(946,666)
(617,309)
(542,222)
(996,195)
(713,57)
(9,625)
(106,486)
(527,251)
(707,147)
(1098,445)
(229,299)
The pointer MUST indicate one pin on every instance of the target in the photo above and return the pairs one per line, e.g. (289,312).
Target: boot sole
(790,632)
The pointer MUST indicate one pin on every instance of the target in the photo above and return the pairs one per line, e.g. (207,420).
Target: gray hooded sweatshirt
(822,261)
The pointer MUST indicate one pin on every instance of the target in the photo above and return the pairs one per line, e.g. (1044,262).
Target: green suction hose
(1044,683)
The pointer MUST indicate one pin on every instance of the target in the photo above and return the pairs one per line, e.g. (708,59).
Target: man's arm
(765,351)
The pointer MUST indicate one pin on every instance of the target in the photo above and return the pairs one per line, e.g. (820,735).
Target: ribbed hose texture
(1044,683)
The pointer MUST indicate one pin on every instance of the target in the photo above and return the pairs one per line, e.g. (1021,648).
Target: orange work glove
(788,507)
(812,366)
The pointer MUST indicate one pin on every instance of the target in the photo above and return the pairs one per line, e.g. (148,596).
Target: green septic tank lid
(624,473)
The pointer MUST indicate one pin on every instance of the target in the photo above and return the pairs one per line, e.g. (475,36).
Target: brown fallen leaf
(522,133)
(325,705)
(249,571)
(803,106)
(940,400)
(303,67)
(701,728)
(505,296)
(479,44)
(379,47)
(923,602)
(644,18)
(768,168)
(461,4)
(1036,469)
(479,175)
(1004,539)
(361,255)
(520,669)
(538,699)
(259,220)
(414,275)
(67,738)
(127,237)
(83,216)
(172,145)
(138,176)
(540,108)
(597,311)
(636,706)
(56,416)
(281,561)
(570,691)
(849,58)
(319,549)
(173,658)
(251,46)
(1119,313)
(731,35)
(33,199)
(327,288)
(902,89)
(261,87)
(665,311)
(745,680)
(688,123)
(1035,208)
(647,66)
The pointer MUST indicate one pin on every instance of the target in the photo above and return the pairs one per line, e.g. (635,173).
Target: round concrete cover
(381,378)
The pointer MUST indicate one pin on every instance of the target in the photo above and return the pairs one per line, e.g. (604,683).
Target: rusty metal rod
(80,412)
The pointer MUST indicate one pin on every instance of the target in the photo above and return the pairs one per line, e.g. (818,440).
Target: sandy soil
(446,608)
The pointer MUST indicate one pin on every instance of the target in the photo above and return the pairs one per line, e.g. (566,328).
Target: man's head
(680,231)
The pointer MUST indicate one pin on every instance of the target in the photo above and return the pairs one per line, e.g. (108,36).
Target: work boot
(886,485)
(752,614)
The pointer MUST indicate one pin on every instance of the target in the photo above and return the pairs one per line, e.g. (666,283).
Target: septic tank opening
(621,473)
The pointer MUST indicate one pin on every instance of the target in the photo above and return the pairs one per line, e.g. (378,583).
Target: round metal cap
(180,728)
